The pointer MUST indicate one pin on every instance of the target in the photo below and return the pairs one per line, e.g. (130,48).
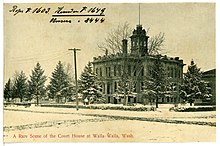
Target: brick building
(136,67)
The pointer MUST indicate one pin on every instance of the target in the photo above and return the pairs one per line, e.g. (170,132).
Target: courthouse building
(134,65)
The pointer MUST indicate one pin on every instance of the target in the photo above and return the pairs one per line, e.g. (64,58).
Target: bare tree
(156,43)
(113,41)
(68,68)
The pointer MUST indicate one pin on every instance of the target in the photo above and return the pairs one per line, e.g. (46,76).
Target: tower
(139,41)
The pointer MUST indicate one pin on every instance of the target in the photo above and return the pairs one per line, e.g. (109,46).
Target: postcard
(109,72)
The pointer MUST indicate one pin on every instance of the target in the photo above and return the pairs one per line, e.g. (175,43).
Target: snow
(66,121)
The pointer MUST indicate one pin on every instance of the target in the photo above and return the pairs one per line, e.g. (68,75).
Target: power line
(25,58)
(37,59)
(40,60)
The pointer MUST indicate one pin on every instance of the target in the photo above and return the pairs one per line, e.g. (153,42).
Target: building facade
(210,77)
(134,67)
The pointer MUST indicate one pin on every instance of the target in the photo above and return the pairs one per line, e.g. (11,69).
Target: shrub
(127,108)
(193,109)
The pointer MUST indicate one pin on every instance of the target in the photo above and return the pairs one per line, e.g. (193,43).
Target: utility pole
(139,14)
(74,58)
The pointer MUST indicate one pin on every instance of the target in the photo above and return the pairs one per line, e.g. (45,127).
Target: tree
(88,85)
(124,88)
(156,43)
(59,85)
(148,90)
(37,83)
(156,85)
(19,88)
(193,85)
(113,42)
(8,90)
(68,69)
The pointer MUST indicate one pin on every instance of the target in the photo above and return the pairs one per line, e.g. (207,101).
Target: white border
(102,1)
(109,1)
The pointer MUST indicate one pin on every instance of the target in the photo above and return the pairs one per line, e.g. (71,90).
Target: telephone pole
(74,58)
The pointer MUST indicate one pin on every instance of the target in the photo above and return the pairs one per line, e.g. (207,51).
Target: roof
(210,72)
(120,56)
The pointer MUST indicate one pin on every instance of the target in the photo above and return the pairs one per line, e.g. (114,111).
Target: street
(38,124)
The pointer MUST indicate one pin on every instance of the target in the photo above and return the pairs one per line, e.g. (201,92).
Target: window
(176,73)
(129,99)
(119,70)
(135,88)
(96,71)
(106,71)
(142,71)
(142,85)
(100,71)
(129,70)
(171,75)
(108,88)
(109,71)
(168,71)
(115,87)
(103,90)
(115,70)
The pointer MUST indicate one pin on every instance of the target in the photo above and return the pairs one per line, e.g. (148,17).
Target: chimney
(106,52)
(125,46)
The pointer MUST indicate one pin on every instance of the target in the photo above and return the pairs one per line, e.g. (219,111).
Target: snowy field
(36,124)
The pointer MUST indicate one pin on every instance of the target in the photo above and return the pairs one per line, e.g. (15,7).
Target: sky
(29,38)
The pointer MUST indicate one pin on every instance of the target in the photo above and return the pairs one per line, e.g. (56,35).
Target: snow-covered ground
(44,121)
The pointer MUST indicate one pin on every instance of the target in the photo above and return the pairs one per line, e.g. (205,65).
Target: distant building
(210,76)
(137,65)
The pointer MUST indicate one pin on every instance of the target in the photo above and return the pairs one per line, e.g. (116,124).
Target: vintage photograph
(109,72)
